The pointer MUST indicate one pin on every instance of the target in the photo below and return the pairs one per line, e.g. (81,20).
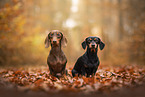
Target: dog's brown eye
(58,35)
(51,34)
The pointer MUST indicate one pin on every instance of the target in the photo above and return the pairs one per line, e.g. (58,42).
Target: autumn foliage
(106,79)
(24,25)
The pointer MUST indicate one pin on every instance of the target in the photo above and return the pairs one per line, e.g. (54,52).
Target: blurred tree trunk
(137,43)
(121,33)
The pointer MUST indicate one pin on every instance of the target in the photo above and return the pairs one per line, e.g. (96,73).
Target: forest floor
(116,81)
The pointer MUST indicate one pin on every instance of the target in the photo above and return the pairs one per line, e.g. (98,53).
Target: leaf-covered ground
(106,80)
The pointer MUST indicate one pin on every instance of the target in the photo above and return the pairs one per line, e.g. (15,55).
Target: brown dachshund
(56,59)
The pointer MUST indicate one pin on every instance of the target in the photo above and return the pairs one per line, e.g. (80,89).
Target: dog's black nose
(93,45)
(54,41)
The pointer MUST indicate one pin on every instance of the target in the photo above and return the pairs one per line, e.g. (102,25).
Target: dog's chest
(57,63)
(90,65)
(58,60)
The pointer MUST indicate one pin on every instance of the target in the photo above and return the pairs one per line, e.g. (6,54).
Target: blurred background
(24,25)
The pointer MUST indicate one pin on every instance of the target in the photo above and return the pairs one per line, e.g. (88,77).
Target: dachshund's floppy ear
(84,44)
(64,41)
(47,42)
(101,45)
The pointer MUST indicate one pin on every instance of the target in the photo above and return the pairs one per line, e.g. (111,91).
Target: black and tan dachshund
(56,59)
(88,63)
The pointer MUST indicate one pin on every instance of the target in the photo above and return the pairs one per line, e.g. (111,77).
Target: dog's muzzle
(93,47)
(54,42)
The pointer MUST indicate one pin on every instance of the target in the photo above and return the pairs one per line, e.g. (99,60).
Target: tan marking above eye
(90,38)
(51,33)
(95,39)
(58,34)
